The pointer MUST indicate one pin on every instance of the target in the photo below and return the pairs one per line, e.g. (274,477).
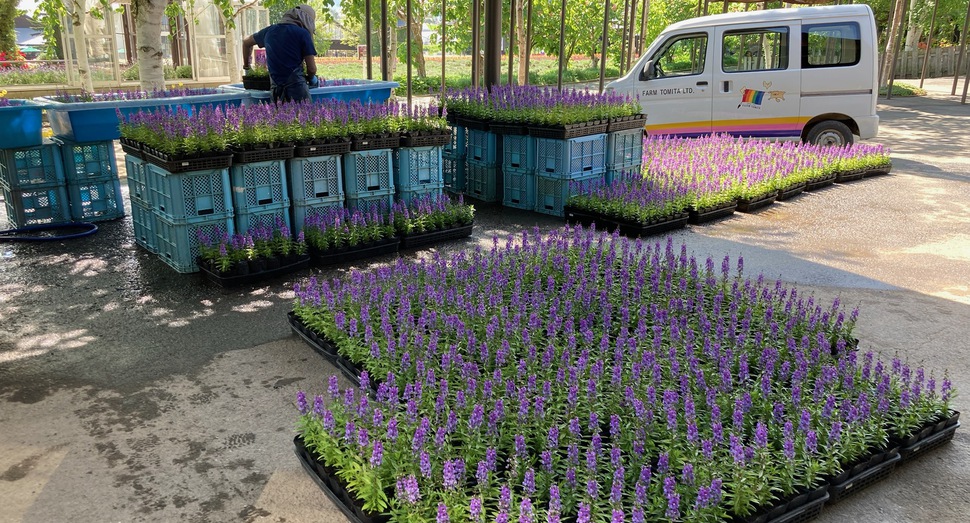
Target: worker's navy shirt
(286,45)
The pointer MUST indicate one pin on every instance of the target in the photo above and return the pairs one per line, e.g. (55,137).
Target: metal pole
(724,9)
(966,82)
(385,66)
(963,43)
(604,40)
(899,39)
(633,25)
(476,39)
(443,40)
(562,43)
(929,44)
(407,5)
(493,42)
(368,29)
(511,36)
(528,44)
(623,39)
(644,13)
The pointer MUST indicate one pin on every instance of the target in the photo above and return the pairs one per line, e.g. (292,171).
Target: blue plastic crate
(178,243)
(96,200)
(315,207)
(268,216)
(136,174)
(482,147)
(194,194)
(143,224)
(456,147)
(409,197)
(314,178)
(368,171)
(552,192)
(379,201)
(519,188)
(88,161)
(38,205)
(259,186)
(417,168)
(482,182)
(453,173)
(518,152)
(571,158)
(624,149)
(21,123)
(31,166)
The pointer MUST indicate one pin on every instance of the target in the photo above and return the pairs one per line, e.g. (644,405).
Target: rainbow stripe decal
(749,127)
(751,96)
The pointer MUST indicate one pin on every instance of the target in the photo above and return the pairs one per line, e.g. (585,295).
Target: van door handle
(702,83)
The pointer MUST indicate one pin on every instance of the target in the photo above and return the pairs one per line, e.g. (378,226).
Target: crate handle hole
(323,194)
(373,187)
(206,212)
(265,201)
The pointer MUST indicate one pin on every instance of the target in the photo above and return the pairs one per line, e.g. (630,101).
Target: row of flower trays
(594,378)
(334,237)
(702,179)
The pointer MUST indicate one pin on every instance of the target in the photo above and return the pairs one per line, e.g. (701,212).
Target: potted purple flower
(431,219)
(262,253)
(341,235)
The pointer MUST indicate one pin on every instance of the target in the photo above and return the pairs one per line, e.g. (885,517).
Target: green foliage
(8,37)
(903,89)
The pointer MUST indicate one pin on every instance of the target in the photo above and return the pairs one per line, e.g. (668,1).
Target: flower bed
(581,378)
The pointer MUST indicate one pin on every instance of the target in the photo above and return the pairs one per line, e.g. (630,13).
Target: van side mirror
(649,71)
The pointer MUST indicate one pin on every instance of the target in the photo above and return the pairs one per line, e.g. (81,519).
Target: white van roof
(771,15)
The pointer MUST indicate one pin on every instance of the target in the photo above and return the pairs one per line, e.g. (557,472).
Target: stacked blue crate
(483,170)
(316,186)
(369,179)
(624,153)
(418,172)
(142,214)
(181,207)
(93,184)
(567,167)
(259,195)
(33,185)
(453,161)
(518,171)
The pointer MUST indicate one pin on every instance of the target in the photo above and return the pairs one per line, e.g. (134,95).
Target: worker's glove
(313,81)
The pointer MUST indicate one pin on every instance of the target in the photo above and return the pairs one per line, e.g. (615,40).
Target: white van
(807,73)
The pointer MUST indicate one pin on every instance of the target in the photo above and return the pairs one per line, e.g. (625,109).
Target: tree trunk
(914,31)
(520,37)
(233,47)
(148,27)
(417,47)
(392,49)
(76,11)
(895,26)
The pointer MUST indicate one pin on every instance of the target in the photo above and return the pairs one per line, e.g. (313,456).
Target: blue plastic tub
(97,121)
(373,91)
(21,124)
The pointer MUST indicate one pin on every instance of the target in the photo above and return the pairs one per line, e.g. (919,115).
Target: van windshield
(682,55)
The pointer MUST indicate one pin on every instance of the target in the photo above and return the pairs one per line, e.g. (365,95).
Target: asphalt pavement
(129,392)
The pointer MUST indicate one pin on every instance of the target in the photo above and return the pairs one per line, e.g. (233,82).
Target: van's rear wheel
(830,133)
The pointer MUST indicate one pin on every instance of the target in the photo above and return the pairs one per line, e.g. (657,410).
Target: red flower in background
(6,58)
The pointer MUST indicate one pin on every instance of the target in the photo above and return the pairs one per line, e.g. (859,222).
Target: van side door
(757,80)
(674,87)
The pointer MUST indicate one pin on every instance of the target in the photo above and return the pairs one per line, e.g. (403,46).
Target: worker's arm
(311,65)
(248,43)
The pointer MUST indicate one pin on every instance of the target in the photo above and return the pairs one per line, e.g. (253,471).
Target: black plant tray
(820,183)
(878,171)
(257,83)
(506,128)
(332,487)
(334,257)
(636,230)
(391,141)
(576,216)
(565,132)
(472,123)
(797,509)
(263,155)
(426,140)
(927,444)
(850,176)
(325,149)
(321,345)
(176,165)
(707,215)
(414,241)
(754,205)
(870,474)
(789,193)
(132,147)
(254,277)
(625,123)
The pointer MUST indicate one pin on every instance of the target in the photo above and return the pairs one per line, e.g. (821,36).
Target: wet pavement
(129,392)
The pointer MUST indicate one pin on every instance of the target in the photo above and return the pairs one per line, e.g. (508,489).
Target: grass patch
(903,89)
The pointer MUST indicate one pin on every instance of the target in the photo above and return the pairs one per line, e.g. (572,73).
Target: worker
(289,46)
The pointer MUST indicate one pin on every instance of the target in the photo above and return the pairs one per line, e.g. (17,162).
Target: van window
(755,50)
(830,45)
(681,56)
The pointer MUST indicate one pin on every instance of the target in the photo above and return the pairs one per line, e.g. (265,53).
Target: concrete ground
(131,393)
